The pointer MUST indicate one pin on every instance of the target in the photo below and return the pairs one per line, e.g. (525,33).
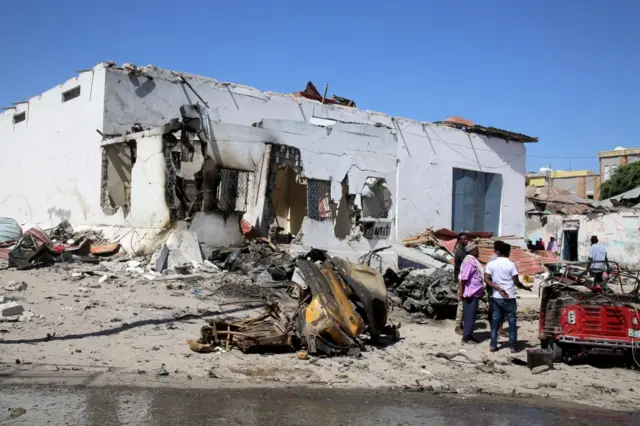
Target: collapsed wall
(296,182)
(618,231)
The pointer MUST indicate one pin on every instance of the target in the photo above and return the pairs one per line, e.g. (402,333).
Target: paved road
(58,405)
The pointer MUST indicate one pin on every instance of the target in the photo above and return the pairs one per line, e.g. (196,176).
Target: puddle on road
(293,406)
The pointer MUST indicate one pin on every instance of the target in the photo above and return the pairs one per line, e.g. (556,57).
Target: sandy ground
(130,326)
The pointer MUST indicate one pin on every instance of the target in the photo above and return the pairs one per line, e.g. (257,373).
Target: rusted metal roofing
(310,92)
(527,263)
(469,126)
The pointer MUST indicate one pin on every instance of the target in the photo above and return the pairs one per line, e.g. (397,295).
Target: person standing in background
(552,246)
(459,256)
(539,245)
(597,260)
(471,278)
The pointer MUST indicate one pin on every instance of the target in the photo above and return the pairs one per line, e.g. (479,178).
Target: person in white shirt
(501,275)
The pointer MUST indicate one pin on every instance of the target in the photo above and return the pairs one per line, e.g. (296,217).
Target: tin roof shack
(572,221)
(327,173)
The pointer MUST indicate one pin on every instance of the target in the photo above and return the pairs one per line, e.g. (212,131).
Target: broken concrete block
(134,263)
(430,250)
(161,261)
(11,309)
(183,247)
(16,286)
(26,316)
(413,258)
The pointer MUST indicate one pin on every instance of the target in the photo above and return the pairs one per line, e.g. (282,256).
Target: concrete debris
(26,316)
(161,257)
(183,248)
(412,258)
(14,413)
(11,309)
(136,270)
(15,286)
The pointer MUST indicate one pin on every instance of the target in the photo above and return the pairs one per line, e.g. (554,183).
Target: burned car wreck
(341,307)
(432,292)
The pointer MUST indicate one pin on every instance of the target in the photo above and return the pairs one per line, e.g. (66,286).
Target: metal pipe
(184,80)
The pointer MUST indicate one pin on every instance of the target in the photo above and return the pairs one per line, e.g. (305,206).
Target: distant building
(583,183)
(611,160)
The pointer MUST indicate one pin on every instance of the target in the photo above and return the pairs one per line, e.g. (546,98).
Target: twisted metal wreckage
(338,302)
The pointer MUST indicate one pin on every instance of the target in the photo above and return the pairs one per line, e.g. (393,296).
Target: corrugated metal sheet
(527,263)
(9,229)
(632,194)
(469,126)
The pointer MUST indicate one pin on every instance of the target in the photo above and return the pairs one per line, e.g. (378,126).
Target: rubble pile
(425,290)
(433,288)
(341,305)
(36,247)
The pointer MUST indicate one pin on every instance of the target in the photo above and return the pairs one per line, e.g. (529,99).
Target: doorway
(476,201)
(570,246)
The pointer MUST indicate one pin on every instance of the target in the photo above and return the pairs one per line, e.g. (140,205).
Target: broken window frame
(319,199)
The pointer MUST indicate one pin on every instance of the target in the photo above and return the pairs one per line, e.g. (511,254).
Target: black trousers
(469,316)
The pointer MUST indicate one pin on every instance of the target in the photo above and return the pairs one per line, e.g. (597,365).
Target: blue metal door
(476,201)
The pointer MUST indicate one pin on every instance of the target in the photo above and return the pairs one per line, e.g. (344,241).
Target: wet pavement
(55,405)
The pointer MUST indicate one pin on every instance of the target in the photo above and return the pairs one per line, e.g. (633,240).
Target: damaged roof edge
(153,71)
(170,127)
(489,131)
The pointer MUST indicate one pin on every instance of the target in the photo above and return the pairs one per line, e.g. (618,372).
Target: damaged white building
(133,150)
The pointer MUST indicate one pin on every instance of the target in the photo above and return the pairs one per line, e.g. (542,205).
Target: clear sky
(565,71)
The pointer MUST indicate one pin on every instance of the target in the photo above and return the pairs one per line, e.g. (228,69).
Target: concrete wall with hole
(426,153)
(619,232)
(51,159)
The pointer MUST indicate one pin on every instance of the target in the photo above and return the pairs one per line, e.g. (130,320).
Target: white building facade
(94,150)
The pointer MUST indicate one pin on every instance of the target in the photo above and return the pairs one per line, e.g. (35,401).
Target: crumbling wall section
(117,164)
(619,232)
(334,161)
(544,226)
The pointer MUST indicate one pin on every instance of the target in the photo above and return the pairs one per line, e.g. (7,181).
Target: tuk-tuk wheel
(553,345)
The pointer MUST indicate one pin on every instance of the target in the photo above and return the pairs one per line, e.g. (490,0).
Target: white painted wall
(426,153)
(51,162)
(619,232)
